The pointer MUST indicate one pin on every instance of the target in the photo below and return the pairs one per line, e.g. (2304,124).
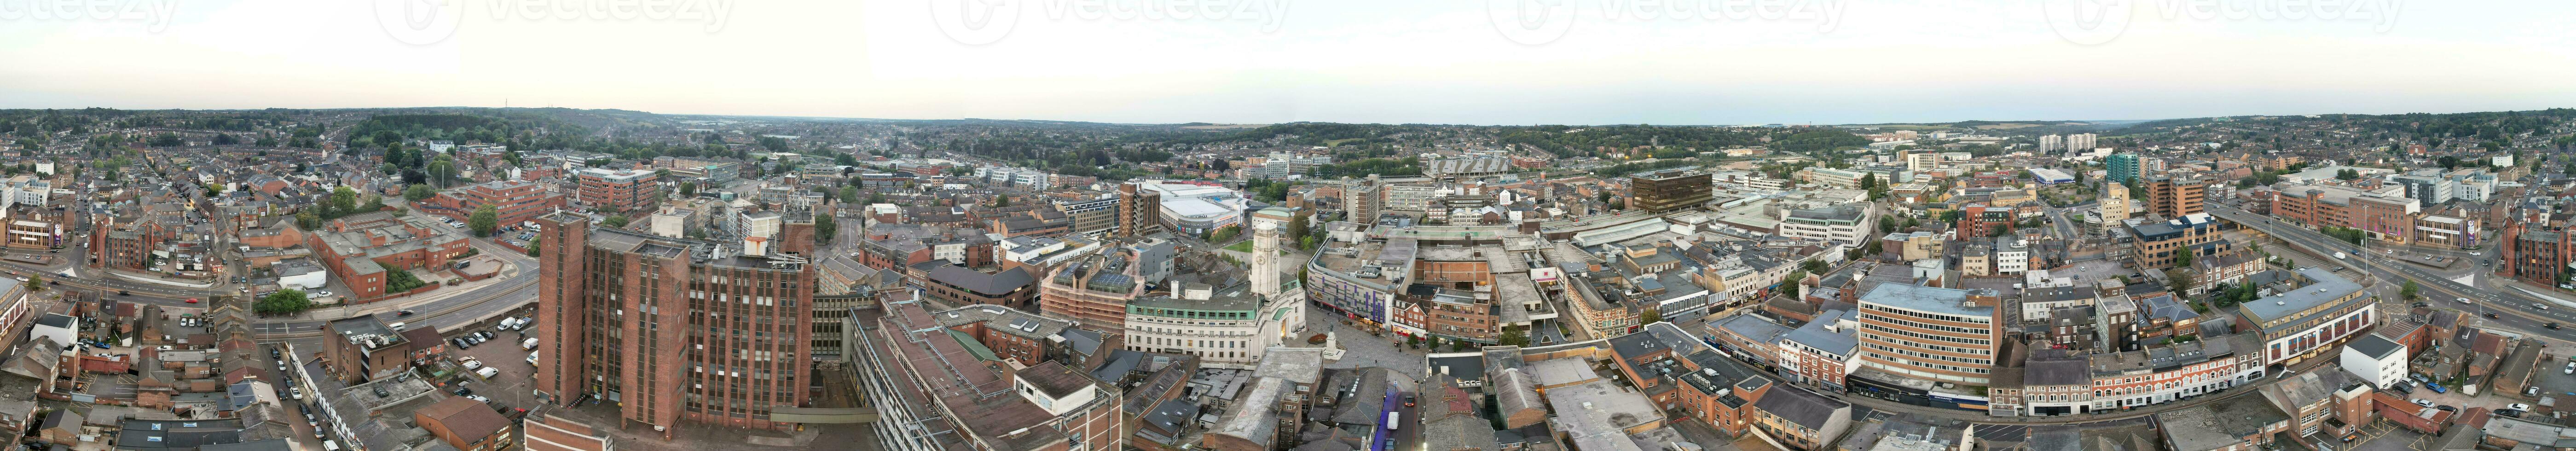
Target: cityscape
(1287,225)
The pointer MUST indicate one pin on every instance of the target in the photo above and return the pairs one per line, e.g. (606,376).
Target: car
(2551,326)
(124,293)
(192,300)
(2473,254)
(2447,408)
(479,398)
(2531,391)
(2509,413)
(2422,402)
(310,421)
(2465,301)
(2518,406)
(487,335)
(2421,304)
(297,392)
(165,347)
(321,294)
(460,342)
(2571,368)
(404,312)
(462,391)
(2491,314)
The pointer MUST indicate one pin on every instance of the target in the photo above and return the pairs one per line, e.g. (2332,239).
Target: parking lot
(509,385)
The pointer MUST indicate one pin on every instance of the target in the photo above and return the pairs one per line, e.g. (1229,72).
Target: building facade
(1930,333)
(671,330)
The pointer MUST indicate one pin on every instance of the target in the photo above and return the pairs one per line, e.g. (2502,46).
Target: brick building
(619,190)
(714,333)
(514,201)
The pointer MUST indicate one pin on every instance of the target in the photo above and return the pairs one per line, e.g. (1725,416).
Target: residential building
(984,377)
(619,190)
(1139,210)
(2115,206)
(2122,168)
(513,201)
(679,357)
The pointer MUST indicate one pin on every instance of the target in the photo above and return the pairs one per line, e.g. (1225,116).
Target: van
(488,372)
(397,326)
(531,344)
(328,445)
(532,358)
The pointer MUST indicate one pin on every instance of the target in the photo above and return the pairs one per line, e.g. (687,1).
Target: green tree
(1652,315)
(825,228)
(484,221)
(308,220)
(398,280)
(1886,224)
(2183,258)
(1789,285)
(532,246)
(283,302)
(418,192)
(2407,291)
(2180,278)
(1512,337)
(35,282)
(688,189)
(344,202)
(616,221)
(1001,200)
(850,194)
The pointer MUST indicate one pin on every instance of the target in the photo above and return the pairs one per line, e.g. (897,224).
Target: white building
(1846,223)
(2380,362)
(2079,143)
(2012,256)
(2051,144)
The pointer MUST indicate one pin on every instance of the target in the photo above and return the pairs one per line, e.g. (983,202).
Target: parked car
(322,294)
(2518,406)
(2422,402)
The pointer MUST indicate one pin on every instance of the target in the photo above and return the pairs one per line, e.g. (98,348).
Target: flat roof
(1926,299)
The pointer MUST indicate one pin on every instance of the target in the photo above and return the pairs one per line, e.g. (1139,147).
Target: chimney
(755,246)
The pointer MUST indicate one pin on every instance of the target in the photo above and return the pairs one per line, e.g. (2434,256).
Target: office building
(983,377)
(1848,223)
(2311,320)
(2115,205)
(512,201)
(1930,333)
(2380,214)
(2159,244)
(1665,191)
(671,330)
(2173,197)
(1093,215)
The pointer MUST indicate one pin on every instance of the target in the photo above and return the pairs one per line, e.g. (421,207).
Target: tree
(849,194)
(35,282)
(416,193)
(2183,259)
(532,246)
(166,139)
(616,221)
(398,280)
(1001,200)
(2407,291)
(283,302)
(825,228)
(2180,278)
(1814,266)
(689,189)
(308,220)
(1652,315)
(344,202)
(1789,286)
(485,219)
(1512,337)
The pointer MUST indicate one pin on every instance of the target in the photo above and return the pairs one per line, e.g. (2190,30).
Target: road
(2507,308)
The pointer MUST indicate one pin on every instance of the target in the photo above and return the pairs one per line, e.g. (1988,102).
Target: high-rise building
(1668,190)
(2122,168)
(1364,201)
(619,190)
(671,330)
(1139,210)
(2051,144)
(2173,197)
(2079,143)
(1094,215)
(1930,333)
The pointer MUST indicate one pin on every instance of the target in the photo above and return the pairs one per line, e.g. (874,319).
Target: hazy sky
(1259,61)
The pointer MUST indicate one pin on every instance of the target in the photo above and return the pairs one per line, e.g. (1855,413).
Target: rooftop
(1926,299)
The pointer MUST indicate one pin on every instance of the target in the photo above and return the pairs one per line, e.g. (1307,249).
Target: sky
(1267,61)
